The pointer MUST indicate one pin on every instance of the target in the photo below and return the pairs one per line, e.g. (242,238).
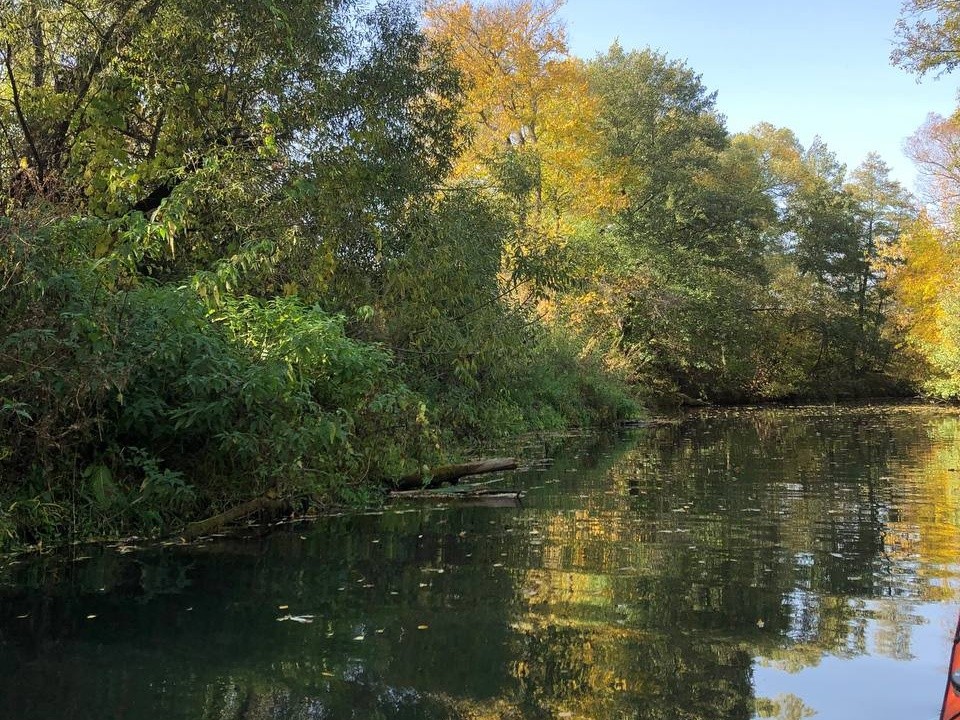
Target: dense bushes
(131,406)
(128,406)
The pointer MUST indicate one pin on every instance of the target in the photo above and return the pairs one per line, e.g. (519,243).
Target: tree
(924,283)
(173,176)
(222,136)
(928,37)
(531,114)
(935,149)
(693,228)
(661,128)
(883,206)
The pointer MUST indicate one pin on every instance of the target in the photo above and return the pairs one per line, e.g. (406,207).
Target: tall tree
(928,36)
(935,149)
(662,128)
(532,116)
(882,209)
(693,228)
(204,131)
(925,282)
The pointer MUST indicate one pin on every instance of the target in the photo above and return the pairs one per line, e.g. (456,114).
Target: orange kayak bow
(951,696)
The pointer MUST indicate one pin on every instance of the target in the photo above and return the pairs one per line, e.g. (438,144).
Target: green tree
(224,133)
(192,194)
(693,228)
(928,37)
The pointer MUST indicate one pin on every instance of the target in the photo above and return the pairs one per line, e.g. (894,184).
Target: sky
(818,67)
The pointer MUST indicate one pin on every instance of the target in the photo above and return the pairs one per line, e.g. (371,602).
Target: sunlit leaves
(928,37)
(530,108)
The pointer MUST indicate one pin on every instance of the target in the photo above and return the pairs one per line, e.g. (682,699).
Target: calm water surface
(746,564)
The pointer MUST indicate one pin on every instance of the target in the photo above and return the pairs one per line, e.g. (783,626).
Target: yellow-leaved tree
(532,116)
(925,283)
(537,148)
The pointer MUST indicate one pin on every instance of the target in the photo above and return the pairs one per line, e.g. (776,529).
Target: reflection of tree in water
(610,672)
(824,494)
(788,537)
(638,584)
(784,707)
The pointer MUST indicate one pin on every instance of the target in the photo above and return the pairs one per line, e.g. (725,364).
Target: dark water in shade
(747,564)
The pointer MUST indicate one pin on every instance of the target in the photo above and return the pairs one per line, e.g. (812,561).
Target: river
(749,563)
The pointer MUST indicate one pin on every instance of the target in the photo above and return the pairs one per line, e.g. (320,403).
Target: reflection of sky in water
(806,559)
(873,685)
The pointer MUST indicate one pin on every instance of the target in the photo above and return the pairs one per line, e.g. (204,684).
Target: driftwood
(268,503)
(452,473)
(649,423)
(472,496)
(272,505)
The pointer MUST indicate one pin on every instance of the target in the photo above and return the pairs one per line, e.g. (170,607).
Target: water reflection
(737,566)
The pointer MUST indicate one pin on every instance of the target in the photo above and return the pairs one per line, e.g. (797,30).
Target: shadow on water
(717,569)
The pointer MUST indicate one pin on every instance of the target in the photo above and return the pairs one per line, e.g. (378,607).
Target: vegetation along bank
(304,248)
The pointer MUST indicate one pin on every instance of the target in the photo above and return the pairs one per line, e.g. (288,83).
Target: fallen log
(471,496)
(649,423)
(435,477)
(268,503)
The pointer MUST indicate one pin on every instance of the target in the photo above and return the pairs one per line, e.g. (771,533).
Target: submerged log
(268,503)
(452,473)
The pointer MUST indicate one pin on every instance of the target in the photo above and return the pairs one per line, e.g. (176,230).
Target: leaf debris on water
(296,618)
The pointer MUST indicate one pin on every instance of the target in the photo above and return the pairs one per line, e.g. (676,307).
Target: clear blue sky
(819,67)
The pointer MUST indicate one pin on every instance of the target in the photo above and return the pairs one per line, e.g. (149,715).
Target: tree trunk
(452,473)
(268,503)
